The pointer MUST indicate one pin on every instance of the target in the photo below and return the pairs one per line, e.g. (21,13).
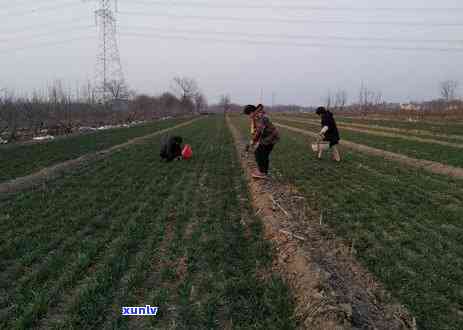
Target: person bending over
(171,148)
(264,137)
(329,132)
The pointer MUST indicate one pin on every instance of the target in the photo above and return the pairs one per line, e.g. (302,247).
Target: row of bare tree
(185,98)
(336,101)
(370,101)
(61,110)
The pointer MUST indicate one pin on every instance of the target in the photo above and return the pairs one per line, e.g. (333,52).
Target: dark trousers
(262,154)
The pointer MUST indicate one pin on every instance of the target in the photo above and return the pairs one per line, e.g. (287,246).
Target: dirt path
(405,131)
(405,119)
(331,289)
(427,165)
(48,173)
(394,135)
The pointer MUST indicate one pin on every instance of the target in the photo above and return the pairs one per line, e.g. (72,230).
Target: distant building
(454,106)
(410,107)
(392,106)
(121,105)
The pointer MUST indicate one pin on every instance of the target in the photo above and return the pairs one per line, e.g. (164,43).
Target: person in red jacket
(264,137)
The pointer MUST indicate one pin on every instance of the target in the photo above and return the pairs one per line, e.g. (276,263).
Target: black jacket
(332,134)
(171,148)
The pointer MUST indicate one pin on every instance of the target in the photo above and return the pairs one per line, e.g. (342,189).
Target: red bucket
(187,153)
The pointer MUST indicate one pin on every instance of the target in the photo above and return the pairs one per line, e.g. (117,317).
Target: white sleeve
(324,130)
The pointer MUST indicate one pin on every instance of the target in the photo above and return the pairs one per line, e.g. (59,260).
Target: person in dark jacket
(329,132)
(264,137)
(171,148)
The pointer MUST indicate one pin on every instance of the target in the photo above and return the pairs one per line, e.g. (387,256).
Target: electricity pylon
(110,83)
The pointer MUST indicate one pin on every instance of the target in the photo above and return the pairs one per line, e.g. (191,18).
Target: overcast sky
(297,53)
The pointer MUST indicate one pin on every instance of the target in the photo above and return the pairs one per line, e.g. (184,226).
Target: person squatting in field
(171,148)
(264,137)
(329,132)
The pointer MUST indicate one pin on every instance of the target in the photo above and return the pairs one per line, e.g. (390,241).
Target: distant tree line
(60,110)
(185,98)
(371,102)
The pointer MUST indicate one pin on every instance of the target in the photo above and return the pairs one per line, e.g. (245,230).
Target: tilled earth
(332,290)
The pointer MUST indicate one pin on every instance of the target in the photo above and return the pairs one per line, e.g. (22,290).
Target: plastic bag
(187,153)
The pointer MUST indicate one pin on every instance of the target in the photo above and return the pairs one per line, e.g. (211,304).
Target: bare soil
(406,131)
(428,165)
(441,119)
(331,289)
(48,173)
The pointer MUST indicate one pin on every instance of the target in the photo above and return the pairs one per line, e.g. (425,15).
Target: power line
(293,20)
(45,44)
(46,25)
(288,6)
(240,41)
(298,36)
(40,9)
(47,33)
(293,44)
(22,4)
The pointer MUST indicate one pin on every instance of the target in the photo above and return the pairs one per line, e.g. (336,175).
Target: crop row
(21,160)
(382,130)
(130,231)
(413,127)
(405,224)
(439,127)
(420,150)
